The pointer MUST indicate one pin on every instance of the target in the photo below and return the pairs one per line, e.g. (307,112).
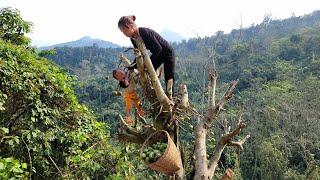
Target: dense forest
(45,133)
(57,110)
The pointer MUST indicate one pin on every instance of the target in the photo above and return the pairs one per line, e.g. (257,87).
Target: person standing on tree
(162,52)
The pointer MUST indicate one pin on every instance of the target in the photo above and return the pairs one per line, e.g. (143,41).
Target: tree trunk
(165,115)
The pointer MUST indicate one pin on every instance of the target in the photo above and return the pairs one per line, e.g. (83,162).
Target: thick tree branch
(201,165)
(223,142)
(130,138)
(213,111)
(128,134)
(148,92)
(240,143)
(213,83)
(161,96)
(228,95)
(215,158)
(235,132)
(140,63)
(225,126)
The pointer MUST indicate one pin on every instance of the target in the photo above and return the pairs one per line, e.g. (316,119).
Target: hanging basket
(170,161)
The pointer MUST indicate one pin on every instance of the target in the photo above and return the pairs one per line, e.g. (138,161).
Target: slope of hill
(84,41)
(171,36)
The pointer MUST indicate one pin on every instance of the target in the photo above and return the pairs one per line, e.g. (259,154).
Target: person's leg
(128,104)
(128,116)
(169,67)
(138,105)
(159,72)
(169,88)
(157,63)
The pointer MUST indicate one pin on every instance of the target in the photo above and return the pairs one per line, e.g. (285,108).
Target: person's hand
(133,65)
(122,57)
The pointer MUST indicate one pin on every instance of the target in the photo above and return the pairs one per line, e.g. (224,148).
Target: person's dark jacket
(157,45)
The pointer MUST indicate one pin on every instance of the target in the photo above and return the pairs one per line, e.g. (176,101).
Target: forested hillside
(47,133)
(277,64)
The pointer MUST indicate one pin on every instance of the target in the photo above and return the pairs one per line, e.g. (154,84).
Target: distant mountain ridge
(171,36)
(84,41)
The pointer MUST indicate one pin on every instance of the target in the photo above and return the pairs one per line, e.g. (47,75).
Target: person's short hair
(114,72)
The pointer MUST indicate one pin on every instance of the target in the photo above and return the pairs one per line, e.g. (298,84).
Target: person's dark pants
(168,60)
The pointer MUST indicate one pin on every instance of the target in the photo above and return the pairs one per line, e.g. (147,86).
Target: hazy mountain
(171,36)
(84,41)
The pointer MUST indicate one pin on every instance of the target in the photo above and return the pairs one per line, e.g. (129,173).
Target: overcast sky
(57,21)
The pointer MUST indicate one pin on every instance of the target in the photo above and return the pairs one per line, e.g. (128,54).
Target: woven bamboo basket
(170,161)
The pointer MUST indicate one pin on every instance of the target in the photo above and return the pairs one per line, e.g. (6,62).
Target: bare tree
(166,115)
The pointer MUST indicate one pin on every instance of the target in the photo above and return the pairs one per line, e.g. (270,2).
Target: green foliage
(284,108)
(126,167)
(272,160)
(11,168)
(44,125)
(47,53)
(13,27)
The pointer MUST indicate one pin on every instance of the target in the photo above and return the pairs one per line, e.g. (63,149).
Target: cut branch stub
(184,104)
